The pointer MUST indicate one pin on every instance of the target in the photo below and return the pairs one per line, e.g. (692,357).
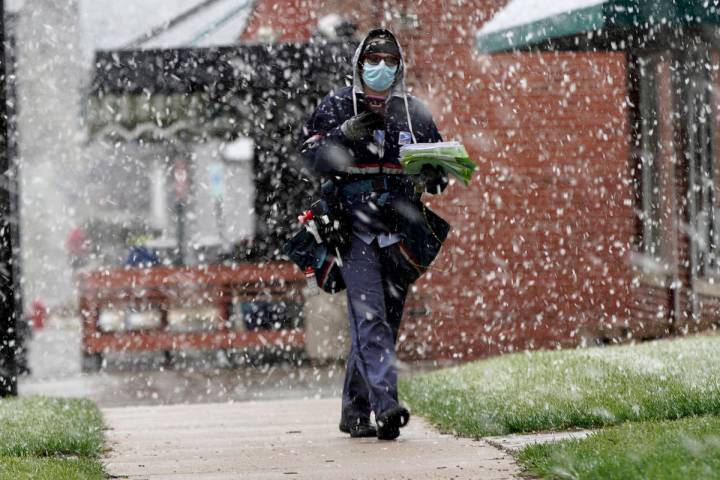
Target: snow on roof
(521,12)
(113,24)
(110,24)
(220,23)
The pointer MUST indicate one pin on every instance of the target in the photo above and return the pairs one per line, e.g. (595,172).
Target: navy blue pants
(376,296)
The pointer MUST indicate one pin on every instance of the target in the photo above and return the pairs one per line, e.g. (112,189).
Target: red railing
(167,290)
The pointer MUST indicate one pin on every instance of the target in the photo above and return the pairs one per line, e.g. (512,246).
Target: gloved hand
(361,126)
(429,175)
(431,172)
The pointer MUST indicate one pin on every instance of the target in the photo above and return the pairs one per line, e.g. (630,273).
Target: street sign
(181,180)
(217,179)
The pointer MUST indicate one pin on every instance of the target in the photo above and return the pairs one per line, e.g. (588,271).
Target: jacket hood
(398,88)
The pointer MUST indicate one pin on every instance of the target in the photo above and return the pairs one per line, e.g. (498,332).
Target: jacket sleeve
(427,132)
(324,149)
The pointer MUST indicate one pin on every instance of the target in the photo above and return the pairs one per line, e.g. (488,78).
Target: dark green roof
(607,16)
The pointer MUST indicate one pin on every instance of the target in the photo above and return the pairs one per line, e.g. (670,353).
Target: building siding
(540,252)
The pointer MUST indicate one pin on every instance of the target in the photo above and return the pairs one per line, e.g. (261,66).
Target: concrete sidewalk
(283,440)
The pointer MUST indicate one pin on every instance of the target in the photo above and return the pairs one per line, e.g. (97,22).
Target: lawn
(48,438)
(660,450)
(559,390)
(658,402)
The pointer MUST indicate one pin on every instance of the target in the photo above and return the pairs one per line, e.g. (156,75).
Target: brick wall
(539,252)
(295,20)
(542,236)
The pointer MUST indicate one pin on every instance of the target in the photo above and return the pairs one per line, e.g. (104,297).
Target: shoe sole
(389,427)
(390,430)
(364,434)
(371,432)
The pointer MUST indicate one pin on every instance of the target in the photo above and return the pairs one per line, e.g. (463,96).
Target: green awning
(524,23)
(156,116)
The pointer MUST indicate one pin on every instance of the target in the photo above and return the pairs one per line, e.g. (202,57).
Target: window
(703,168)
(655,155)
(648,144)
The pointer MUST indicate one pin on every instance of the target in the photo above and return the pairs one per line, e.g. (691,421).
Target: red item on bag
(305,217)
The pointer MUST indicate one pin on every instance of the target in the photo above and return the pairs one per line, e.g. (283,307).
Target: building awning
(522,24)
(190,93)
(163,94)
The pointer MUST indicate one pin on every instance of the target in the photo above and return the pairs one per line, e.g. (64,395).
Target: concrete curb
(514,443)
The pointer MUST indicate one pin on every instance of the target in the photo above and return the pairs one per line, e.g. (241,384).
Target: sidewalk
(288,439)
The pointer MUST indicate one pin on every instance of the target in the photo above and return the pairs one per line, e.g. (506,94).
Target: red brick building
(556,241)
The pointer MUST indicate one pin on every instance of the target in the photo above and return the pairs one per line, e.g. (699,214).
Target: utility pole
(181,192)
(8,320)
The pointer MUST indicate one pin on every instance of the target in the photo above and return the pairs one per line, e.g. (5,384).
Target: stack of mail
(450,156)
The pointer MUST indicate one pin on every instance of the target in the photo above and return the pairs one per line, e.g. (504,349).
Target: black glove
(362,126)
(430,177)
(431,172)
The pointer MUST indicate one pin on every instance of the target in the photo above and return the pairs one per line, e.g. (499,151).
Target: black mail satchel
(422,235)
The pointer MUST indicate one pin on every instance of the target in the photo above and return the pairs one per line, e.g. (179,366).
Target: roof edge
(567,23)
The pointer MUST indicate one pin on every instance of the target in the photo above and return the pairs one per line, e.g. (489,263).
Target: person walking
(352,142)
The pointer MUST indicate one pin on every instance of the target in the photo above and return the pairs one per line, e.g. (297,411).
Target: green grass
(559,390)
(683,449)
(35,468)
(50,438)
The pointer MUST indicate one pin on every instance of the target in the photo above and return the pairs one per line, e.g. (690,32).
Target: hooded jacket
(328,153)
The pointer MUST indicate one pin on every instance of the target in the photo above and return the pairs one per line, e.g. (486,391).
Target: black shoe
(363,430)
(390,421)
(344,427)
(358,429)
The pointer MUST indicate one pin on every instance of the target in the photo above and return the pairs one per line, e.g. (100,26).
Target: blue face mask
(379,77)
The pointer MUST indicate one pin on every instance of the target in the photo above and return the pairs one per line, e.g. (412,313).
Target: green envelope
(450,156)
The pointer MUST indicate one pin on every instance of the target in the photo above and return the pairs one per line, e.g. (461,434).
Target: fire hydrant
(38,314)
